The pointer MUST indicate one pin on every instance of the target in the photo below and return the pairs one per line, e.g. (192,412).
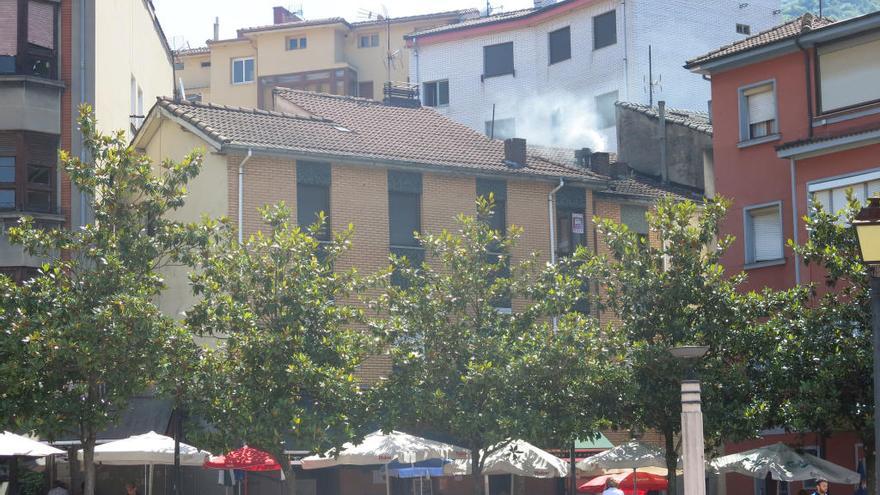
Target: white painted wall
(676,29)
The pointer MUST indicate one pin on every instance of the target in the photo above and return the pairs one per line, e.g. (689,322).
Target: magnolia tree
(84,336)
(479,376)
(671,291)
(286,342)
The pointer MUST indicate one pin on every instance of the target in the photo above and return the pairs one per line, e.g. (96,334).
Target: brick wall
(266,181)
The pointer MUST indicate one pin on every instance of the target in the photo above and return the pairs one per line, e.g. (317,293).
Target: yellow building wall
(206,196)
(275,58)
(194,76)
(127,45)
(222,90)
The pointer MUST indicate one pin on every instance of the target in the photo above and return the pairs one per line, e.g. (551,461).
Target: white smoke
(559,119)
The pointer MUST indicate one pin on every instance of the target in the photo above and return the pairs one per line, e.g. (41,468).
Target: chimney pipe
(664,169)
(515,152)
(216,28)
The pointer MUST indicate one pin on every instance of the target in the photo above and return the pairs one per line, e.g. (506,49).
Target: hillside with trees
(838,9)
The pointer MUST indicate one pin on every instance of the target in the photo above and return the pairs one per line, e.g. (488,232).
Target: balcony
(14,256)
(30,103)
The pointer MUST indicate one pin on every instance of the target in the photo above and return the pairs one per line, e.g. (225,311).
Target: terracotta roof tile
(479,21)
(689,118)
(788,30)
(185,52)
(294,24)
(363,129)
(868,129)
(461,13)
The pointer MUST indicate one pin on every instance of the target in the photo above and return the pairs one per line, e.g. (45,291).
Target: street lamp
(692,455)
(867,225)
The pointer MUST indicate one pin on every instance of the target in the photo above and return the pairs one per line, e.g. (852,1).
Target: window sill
(242,83)
(757,141)
(596,49)
(764,264)
(483,77)
(844,115)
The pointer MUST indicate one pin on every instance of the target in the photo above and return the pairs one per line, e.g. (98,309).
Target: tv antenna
(491,8)
(650,82)
(296,9)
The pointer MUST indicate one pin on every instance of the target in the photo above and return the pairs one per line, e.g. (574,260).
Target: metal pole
(875,327)
(572,476)
(178,432)
(692,439)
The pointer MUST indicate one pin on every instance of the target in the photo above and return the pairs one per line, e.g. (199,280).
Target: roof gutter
(407,165)
(551,214)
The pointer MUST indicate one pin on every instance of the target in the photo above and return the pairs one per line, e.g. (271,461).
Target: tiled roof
(819,139)
(790,29)
(186,52)
(342,126)
(479,21)
(689,118)
(461,13)
(294,24)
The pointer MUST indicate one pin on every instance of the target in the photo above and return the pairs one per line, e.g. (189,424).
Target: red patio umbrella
(646,481)
(244,459)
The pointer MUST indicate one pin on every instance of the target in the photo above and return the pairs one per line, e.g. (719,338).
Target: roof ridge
(165,101)
(354,99)
(417,16)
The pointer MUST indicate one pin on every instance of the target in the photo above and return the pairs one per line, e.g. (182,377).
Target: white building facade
(552,74)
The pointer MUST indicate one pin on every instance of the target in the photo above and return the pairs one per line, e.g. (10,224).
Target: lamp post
(867,225)
(691,422)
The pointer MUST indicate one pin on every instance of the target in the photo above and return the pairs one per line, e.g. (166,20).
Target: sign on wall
(577,223)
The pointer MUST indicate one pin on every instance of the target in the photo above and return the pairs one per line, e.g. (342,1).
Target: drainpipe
(809,84)
(794,220)
(551,213)
(250,153)
(83,216)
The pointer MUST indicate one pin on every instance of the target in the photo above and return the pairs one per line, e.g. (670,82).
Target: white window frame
(437,92)
(748,235)
(243,61)
(836,182)
(369,37)
(745,29)
(744,127)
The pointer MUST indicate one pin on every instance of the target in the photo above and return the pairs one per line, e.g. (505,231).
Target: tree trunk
(73,468)
(476,472)
(289,483)
(671,462)
(89,460)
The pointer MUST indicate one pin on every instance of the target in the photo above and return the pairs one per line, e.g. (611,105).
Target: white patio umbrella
(631,455)
(382,448)
(518,458)
(783,464)
(148,449)
(17,445)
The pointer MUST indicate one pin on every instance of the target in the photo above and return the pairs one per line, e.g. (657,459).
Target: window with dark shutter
(313,196)
(560,45)
(405,218)
(498,190)
(604,30)
(498,59)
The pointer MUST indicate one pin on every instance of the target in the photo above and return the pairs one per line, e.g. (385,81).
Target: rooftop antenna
(298,11)
(651,83)
(820,8)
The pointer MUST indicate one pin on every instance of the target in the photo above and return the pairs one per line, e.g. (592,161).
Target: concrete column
(692,439)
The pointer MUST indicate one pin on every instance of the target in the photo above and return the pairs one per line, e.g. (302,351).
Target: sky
(192,21)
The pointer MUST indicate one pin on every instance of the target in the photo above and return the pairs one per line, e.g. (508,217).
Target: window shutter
(9,27)
(761,107)
(41,24)
(824,199)
(767,234)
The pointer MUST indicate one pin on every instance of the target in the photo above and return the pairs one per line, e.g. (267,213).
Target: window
(560,45)
(498,59)
(313,196)
(757,111)
(571,205)
(498,190)
(831,194)
(242,70)
(296,43)
(634,218)
(7,182)
(178,65)
(606,113)
(743,29)
(405,217)
(36,38)
(501,128)
(206,64)
(368,40)
(436,94)
(763,233)
(848,72)
(27,172)
(365,89)
(605,30)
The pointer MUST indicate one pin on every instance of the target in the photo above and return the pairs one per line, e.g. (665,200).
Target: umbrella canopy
(519,458)
(146,449)
(381,448)
(630,455)
(783,464)
(244,459)
(17,445)
(626,482)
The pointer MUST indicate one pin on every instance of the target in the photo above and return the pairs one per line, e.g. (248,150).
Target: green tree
(673,292)
(85,335)
(287,348)
(478,376)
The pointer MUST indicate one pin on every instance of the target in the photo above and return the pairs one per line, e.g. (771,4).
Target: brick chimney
(619,170)
(515,152)
(280,15)
(583,157)
(600,162)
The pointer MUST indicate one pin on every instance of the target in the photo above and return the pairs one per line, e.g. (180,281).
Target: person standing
(611,488)
(131,488)
(821,487)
